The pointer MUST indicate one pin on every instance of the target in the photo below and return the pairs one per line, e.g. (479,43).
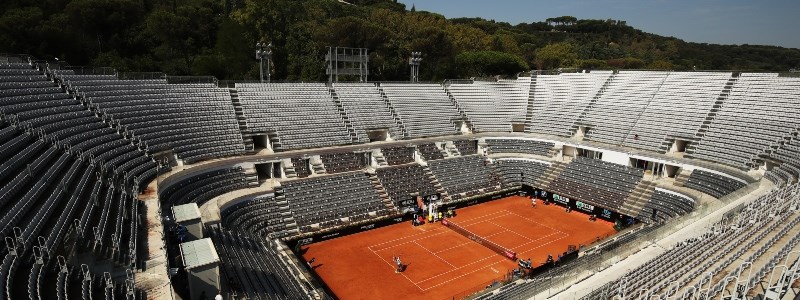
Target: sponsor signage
(558,198)
(584,206)
(511,255)
(408,203)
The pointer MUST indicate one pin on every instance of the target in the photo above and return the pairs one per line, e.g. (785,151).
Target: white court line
(393,268)
(492,264)
(462,275)
(435,230)
(509,230)
(550,242)
(484,216)
(546,236)
(467,222)
(405,237)
(434,254)
(461,267)
(470,242)
(537,223)
(451,248)
(408,242)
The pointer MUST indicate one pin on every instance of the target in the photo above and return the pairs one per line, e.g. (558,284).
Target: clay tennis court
(443,264)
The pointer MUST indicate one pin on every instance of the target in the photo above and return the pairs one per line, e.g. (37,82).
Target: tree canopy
(211,37)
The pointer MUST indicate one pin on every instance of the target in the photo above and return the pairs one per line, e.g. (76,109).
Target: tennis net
(507,253)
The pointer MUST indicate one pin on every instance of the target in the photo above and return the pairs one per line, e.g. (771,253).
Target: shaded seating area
(788,158)
(667,205)
(262,215)
(398,155)
(252,268)
(519,146)
(342,162)
(405,182)
(430,151)
(202,187)
(597,182)
(464,176)
(301,167)
(713,184)
(326,200)
(466,147)
(520,171)
(195,121)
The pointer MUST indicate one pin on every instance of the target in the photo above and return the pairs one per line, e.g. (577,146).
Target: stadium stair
(251,175)
(589,107)
(531,105)
(316,165)
(438,185)
(373,178)
(723,96)
(443,150)
(451,149)
(288,169)
(291,227)
(396,117)
(461,111)
(682,177)
(247,138)
(357,135)
(636,200)
(379,158)
(551,174)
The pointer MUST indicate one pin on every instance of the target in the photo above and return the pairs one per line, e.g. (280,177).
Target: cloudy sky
(755,22)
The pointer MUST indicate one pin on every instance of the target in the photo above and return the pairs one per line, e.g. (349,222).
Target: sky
(754,22)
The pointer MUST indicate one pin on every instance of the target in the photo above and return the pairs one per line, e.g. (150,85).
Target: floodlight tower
(413,61)
(264,51)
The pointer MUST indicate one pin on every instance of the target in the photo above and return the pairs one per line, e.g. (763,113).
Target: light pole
(264,51)
(413,61)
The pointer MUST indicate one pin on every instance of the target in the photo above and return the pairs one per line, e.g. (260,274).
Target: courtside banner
(323,236)
(579,205)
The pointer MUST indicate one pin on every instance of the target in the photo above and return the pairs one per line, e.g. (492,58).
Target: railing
(485,286)
(141,75)
(83,70)
(192,79)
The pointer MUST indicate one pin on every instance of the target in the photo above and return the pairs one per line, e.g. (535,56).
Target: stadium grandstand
(576,185)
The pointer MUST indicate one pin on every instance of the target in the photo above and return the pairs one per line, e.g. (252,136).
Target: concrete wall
(619,158)
(204,282)
(194,229)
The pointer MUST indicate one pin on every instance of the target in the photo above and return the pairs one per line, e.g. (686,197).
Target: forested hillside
(218,37)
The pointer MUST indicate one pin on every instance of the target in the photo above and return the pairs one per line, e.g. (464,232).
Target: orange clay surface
(443,264)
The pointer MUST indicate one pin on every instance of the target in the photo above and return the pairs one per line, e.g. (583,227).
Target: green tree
(556,55)
(489,63)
